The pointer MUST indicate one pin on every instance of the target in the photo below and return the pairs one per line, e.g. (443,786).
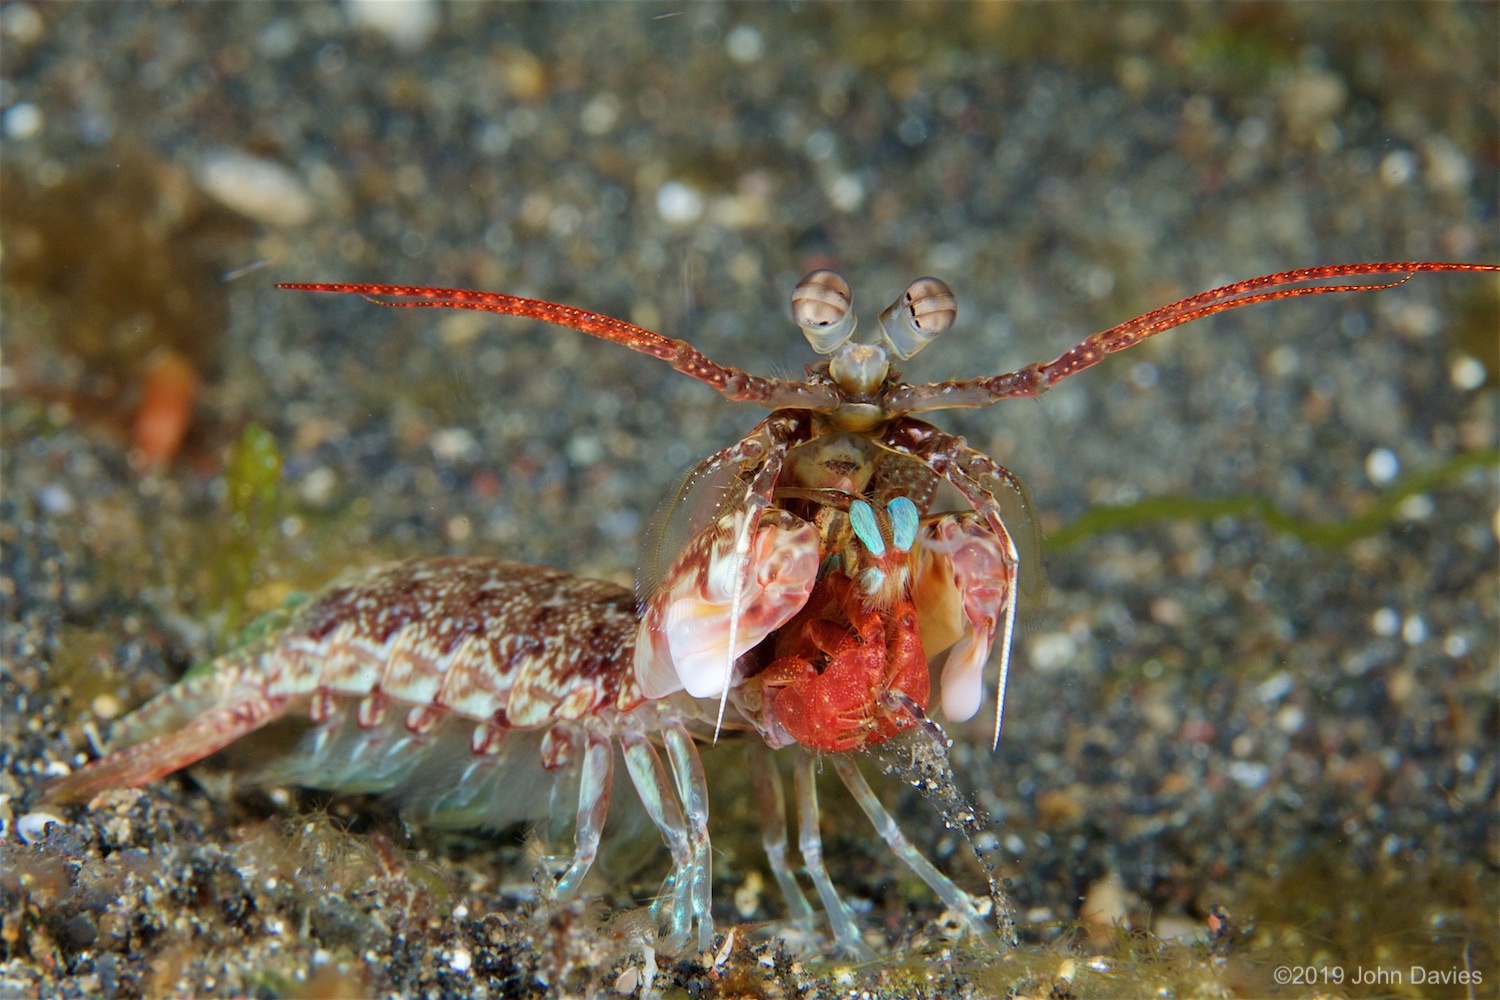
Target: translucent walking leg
(692,787)
(810,841)
(765,779)
(593,804)
(958,901)
(655,789)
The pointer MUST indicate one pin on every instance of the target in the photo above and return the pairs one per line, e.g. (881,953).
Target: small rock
(407,24)
(33,826)
(262,189)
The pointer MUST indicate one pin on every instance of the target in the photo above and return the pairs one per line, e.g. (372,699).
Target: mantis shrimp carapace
(812,581)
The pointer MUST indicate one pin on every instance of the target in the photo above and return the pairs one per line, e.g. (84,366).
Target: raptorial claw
(684,634)
(962,583)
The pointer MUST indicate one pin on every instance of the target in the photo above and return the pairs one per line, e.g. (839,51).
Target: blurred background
(1206,710)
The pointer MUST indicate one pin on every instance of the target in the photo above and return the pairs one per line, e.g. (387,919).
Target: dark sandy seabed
(1249,750)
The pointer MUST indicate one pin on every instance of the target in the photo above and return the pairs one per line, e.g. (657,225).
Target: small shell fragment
(406,24)
(628,981)
(33,826)
(262,189)
(722,955)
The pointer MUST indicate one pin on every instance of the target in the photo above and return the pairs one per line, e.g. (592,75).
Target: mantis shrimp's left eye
(924,312)
(822,307)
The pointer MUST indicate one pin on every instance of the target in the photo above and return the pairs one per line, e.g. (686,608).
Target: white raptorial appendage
(685,632)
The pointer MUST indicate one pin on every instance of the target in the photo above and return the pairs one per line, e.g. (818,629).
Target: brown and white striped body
(469,690)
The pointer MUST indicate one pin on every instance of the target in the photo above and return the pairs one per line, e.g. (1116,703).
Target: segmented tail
(198,716)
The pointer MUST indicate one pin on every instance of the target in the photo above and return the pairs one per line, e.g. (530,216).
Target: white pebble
(628,981)
(1381,466)
(55,500)
(1311,97)
(264,190)
(1385,622)
(1467,373)
(33,825)
(1052,651)
(1417,507)
(585,450)
(600,114)
(1275,687)
(22,120)
(744,43)
(407,24)
(1250,774)
(22,22)
(1448,169)
(678,204)
(846,192)
(453,444)
(317,486)
(461,960)
(1105,904)
(1283,360)
(1398,168)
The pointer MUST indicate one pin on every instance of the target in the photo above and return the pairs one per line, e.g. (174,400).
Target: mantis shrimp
(812,577)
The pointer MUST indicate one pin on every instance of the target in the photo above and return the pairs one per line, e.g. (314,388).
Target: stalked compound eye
(923,313)
(822,307)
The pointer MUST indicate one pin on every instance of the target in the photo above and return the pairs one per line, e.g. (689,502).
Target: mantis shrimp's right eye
(924,312)
(822,307)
